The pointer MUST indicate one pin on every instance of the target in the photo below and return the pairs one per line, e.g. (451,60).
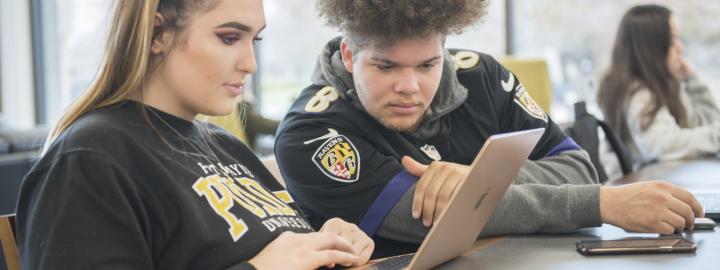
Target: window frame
(42,12)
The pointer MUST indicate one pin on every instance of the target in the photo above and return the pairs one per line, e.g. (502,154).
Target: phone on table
(635,245)
(704,224)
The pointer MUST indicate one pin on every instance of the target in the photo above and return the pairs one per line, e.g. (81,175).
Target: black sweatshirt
(112,194)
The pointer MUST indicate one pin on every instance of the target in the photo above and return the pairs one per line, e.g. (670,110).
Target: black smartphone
(635,245)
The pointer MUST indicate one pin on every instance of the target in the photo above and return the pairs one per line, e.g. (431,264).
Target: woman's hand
(337,242)
(362,244)
(685,70)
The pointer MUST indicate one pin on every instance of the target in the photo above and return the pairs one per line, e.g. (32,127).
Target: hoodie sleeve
(558,194)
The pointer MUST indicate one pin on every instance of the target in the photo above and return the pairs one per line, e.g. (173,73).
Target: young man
(388,98)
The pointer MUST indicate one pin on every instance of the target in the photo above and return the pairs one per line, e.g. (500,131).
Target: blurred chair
(585,132)
(272,166)
(4,146)
(246,124)
(533,74)
(230,122)
(13,168)
(9,244)
(256,124)
(19,150)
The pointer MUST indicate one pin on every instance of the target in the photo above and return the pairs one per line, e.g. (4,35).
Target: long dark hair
(639,59)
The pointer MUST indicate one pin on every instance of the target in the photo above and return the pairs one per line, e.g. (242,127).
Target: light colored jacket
(663,139)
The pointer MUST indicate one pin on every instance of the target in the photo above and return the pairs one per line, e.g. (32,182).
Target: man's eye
(427,66)
(384,67)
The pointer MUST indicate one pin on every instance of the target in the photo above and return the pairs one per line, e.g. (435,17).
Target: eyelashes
(230,39)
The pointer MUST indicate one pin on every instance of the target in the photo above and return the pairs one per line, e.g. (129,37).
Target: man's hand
(651,207)
(435,187)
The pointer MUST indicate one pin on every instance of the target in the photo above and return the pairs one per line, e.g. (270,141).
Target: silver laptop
(472,203)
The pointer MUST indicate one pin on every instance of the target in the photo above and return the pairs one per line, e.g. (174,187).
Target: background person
(650,95)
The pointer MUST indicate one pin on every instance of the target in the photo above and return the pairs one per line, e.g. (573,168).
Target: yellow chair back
(533,73)
(230,122)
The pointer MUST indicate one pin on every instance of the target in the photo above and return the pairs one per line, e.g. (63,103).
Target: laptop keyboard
(398,262)
(709,201)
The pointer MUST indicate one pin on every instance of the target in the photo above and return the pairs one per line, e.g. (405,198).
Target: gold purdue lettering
(220,199)
(222,194)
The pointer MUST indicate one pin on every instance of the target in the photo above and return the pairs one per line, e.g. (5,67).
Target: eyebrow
(240,26)
(386,61)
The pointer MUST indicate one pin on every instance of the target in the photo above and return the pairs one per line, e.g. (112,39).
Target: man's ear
(162,36)
(347,56)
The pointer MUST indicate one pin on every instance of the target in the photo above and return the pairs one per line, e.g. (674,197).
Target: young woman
(129,180)
(650,95)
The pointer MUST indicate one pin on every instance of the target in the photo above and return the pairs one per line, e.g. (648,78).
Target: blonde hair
(127,56)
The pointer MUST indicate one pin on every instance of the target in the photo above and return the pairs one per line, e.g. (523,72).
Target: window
(295,36)
(73,33)
(578,56)
(1,70)
(487,36)
(16,61)
(286,57)
(291,43)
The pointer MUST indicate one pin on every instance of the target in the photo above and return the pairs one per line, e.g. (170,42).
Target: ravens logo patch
(525,101)
(338,158)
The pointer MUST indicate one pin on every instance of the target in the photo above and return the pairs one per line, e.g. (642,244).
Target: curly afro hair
(382,22)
